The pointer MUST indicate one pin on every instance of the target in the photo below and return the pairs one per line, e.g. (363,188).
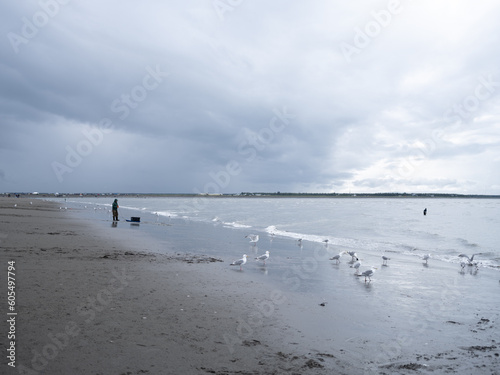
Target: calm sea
(367,225)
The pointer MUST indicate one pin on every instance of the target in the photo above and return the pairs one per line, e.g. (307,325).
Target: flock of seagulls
(243,260)
(466,261)
(254,238)
(356,264)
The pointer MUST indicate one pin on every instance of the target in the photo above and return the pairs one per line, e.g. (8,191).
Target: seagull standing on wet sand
(353,255)
(426,257)
(263,257)
(240,262)
(368,273)
(356,265)
(385,259)
(253,238)
(336,258)
(464,263)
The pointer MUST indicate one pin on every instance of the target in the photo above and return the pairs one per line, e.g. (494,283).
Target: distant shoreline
(253,195)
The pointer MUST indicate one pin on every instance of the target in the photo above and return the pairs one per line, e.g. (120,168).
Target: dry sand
(92,301)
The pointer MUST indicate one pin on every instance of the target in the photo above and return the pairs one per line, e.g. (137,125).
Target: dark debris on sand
(406,366)
(194,258)
(127,255)
(479,348)
(286,363)
(187,258)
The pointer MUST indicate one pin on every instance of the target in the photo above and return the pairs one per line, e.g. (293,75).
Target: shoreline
(267,230)
(89,304)
(146,306)
(256,195)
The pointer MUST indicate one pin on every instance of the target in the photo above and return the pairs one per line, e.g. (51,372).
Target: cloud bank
(230,96)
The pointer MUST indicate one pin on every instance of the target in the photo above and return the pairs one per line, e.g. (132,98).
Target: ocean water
(366,225)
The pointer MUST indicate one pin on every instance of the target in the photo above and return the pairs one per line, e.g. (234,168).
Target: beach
(92,298)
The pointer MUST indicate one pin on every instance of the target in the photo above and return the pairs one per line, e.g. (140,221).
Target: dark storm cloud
(163,96)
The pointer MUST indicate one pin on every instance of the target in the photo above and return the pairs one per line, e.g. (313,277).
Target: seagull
(468,261)
(336,258)
(253,238)
(353,255)
(356,265)
(368,273)
(426,257)
(263,257)
(464,263)
(240,262)
(326,242)
(385,259)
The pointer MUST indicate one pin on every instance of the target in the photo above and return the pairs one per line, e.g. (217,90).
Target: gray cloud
(172,93)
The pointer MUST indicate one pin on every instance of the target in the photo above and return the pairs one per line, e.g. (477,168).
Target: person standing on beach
(115,210)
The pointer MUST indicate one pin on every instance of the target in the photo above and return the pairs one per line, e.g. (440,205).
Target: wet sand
(94,299)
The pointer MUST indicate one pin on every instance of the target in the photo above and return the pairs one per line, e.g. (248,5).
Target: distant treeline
(259,194)
(370,195)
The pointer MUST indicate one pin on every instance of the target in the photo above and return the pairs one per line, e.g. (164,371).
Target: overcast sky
(250,95)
